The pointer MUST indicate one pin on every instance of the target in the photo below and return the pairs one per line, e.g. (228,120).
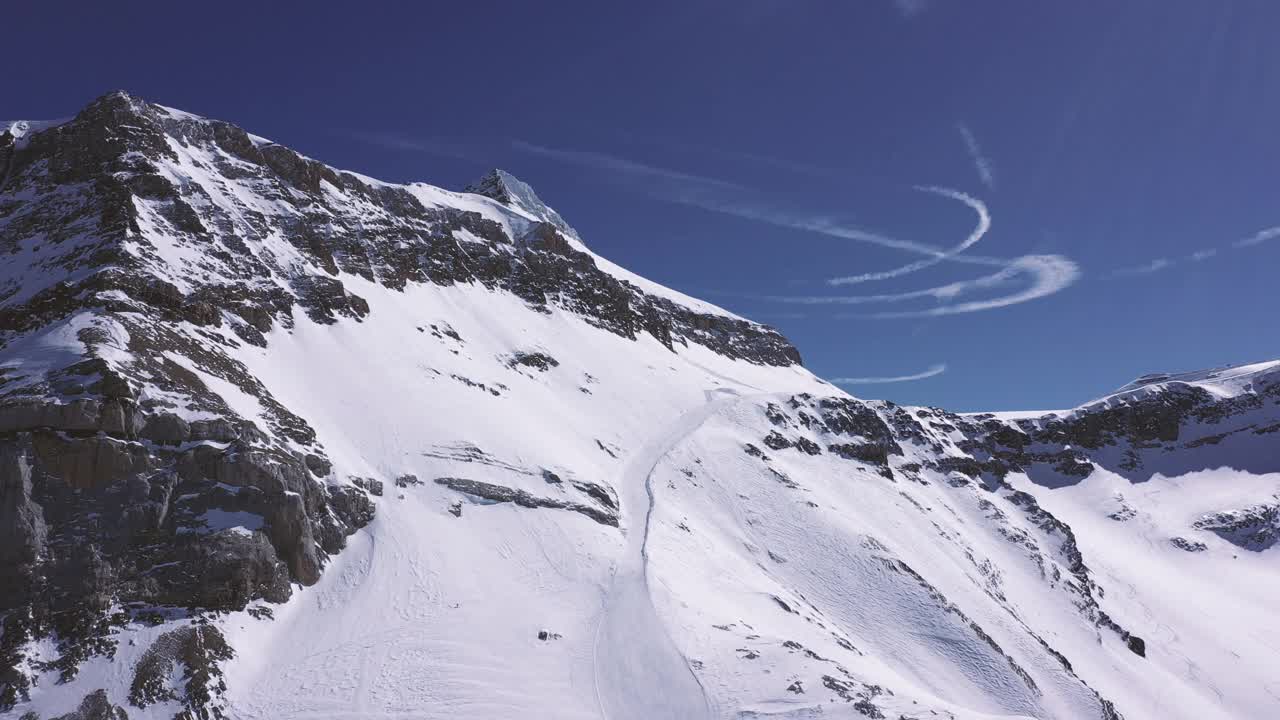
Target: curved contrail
(1048,273)
(931,372)
(709,194)
(984,224)
(697,197)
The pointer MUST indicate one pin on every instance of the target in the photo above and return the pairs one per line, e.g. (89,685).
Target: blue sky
(770,155)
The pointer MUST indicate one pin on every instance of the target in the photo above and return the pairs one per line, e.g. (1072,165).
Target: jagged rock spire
(514,192)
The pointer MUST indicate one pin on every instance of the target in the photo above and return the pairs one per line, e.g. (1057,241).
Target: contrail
(931,372)
(1049,274)
(1145,269)
(615,163)
(828,227)
(394,141)
(709,194)
(981,162)
(984,224)
(910,8)
(1259,237)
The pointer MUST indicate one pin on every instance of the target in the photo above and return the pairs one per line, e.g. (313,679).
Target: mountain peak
(500,185)
(203,209)
(229,372)
(116,103)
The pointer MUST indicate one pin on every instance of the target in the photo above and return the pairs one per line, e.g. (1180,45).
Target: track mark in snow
(640,674)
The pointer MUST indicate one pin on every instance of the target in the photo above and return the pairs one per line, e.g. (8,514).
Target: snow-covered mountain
(278,440)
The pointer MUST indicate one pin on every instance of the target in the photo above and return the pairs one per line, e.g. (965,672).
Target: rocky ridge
(151,249)
(144,245)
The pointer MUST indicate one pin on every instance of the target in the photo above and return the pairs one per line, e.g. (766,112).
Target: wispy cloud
(981,163)
(1042,275)
(984,224)
(1145,269)
(940,293)
(396,141)
(1158,264)
(603,161)
(727,198)
(740,156)
(1045,275)
(1048,275)
(778,315)
(933,371)
(754,210)
(911,8)
(1259,237)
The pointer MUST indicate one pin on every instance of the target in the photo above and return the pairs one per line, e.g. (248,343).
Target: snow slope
(580,522)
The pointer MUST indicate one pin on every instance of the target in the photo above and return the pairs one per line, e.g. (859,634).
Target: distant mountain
(279,440)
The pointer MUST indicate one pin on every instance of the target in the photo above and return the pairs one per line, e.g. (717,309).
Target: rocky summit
(279,440)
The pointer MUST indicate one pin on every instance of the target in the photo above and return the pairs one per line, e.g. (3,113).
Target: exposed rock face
(1188,545)
(533,360)
(510,190)
(874,433)
(148,245)
(117,153)
(23,533)
(146,472)
(1170,425)
(606,515)
(96,706)
(1253,528)
(198,650)
(1145,428)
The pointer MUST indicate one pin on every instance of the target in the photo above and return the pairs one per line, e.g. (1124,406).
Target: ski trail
(640,674)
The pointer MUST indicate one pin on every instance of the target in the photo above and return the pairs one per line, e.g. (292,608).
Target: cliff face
(433,435)
(197,220)
(145,248)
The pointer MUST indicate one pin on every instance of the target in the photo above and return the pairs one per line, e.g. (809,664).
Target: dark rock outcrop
(95,706)
(535,360)
(199,650)
(1254,528)
(112,497)
(127,481)
(607,515)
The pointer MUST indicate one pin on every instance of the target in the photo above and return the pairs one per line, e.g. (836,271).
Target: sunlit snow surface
(431,615)
(725,592)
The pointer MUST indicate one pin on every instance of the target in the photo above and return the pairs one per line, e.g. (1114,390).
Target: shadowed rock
(502,494)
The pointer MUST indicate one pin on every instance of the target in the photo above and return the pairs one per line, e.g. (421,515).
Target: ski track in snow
(640,674)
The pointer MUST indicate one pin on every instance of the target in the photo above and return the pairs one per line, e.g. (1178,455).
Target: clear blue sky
(749,151)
